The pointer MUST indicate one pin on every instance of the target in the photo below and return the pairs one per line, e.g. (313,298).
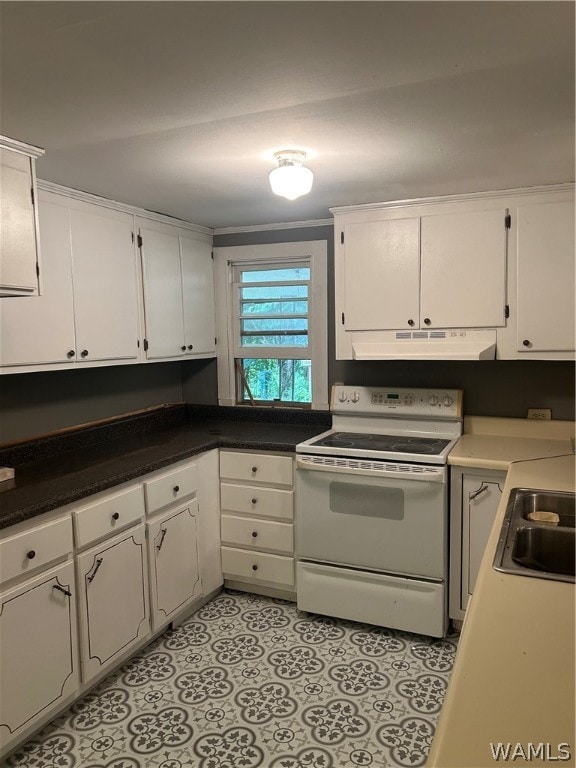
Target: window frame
(226,260)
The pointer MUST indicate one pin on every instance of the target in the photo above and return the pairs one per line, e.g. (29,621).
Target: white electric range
(372,508)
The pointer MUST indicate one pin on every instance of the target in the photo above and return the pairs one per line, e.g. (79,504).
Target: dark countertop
(56,470)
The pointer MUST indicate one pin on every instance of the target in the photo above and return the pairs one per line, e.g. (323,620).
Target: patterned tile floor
(248,681)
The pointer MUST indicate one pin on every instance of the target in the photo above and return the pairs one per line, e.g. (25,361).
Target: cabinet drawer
(264,502)
(256,467)
(258,534)
(108,515)
(27,551)
(257,566)
(171,487)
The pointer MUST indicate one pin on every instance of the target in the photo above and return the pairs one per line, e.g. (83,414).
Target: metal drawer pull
(480,490)
(115,515)
(95,571)
(31,555)
(62,589)
(176,488)
(159,546)
(254,469)
(254,501)
(254,567)
(254,533)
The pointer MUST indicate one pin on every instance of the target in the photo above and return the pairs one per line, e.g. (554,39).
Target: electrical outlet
(540,413)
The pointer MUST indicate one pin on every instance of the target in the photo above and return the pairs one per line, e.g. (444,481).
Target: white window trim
(224,258)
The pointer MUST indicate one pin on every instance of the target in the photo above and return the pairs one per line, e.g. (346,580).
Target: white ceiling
(178,106)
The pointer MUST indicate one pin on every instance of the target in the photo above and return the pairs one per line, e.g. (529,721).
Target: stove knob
(433,400)
(342,397)
(447,400)
(355,397)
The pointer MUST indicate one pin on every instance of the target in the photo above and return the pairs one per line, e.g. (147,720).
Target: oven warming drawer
(412,605)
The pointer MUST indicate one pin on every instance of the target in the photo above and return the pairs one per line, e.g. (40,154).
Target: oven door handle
(382,469)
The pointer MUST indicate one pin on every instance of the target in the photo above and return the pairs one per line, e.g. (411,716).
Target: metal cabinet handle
(190,346)
(183,348)
(95,571)
(254,567)
(480,490)
(427,321)
(159,546)
(31,554)
(254,469)
(84,353)
(410,323)
(254,534)
(62,589)
(115,515)
(176,488)
(253,501)
(527,343)
(70,353)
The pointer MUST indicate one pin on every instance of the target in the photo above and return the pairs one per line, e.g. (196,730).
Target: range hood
(453,344)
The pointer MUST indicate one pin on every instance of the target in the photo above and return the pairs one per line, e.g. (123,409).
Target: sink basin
(535,547)
(545,549)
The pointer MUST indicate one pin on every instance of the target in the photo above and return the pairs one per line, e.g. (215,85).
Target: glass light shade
(291,181)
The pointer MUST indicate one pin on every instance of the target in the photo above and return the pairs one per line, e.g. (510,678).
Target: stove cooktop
(359,441)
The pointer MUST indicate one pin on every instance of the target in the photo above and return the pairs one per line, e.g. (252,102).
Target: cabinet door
(18,248)
(41,329)
(162,294)
(480,500)
(39,659)
(198,296)
(105,293)
(381,275)
(546,277)
(173,554)
(463,259)
(112,583)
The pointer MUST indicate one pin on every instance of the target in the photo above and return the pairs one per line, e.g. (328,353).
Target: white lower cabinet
(37,618)
(475,497)
(173,556)
(113,604)
(257,520)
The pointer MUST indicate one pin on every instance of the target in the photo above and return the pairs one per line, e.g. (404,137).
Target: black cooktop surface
(430,446)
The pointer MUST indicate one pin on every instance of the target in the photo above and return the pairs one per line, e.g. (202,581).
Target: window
(272,324)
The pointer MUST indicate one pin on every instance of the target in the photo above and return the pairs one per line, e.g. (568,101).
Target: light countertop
(513,679)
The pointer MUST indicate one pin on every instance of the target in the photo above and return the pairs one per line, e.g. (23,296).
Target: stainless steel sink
(529,547)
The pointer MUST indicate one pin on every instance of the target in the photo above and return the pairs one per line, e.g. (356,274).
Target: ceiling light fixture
(291,179)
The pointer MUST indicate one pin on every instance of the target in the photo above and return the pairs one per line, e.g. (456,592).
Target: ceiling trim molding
(87,197)
(278,225)
(566,187)
(21,146)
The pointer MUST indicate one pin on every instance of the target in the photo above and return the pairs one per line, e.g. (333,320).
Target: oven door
(386,521)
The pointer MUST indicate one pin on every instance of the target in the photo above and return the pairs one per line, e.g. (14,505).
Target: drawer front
(264,502)
(257,534)
(257,468)
(27,551)
(171,487)
(258,567)
(107,516)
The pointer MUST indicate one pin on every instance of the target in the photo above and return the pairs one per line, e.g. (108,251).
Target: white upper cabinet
(178,291)
(41,329)
(430,271)
(546,277)
(463,270)
(18,230)
(382,274)
(162,293)
(105,288)
(88,308)
(198,296)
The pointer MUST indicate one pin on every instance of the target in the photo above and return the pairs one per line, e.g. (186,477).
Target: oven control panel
(437,403)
